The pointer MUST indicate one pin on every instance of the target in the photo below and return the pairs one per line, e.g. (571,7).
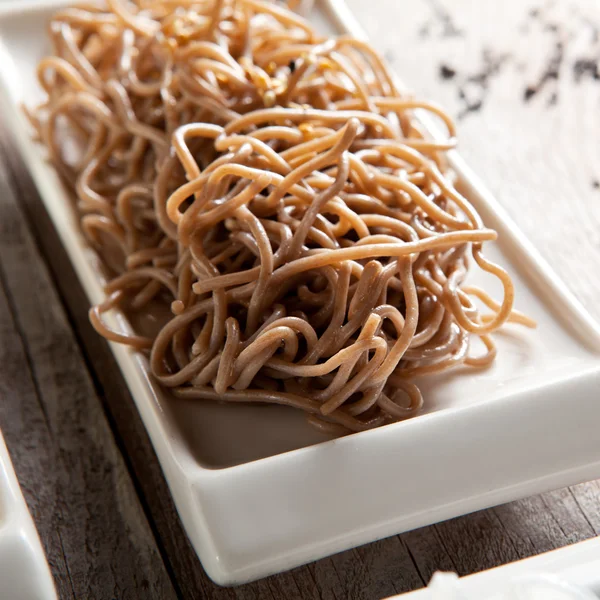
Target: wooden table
(522,79)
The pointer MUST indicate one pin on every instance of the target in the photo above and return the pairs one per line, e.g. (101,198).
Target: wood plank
(73,477)
(428,552)
(28,438)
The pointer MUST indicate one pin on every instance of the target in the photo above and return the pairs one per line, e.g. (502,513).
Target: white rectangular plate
(259,492)
(24,572)
(577,565)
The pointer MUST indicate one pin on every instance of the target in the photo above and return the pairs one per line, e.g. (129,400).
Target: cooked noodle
(275,191)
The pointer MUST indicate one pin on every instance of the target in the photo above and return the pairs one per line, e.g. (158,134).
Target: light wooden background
(522,79)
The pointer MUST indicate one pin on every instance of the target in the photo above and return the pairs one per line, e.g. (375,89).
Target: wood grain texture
(72,474)
(518,77)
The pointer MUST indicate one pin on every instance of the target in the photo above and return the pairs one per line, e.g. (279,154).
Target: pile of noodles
(271,196)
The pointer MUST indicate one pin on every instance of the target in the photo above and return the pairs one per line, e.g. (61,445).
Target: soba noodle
(273,190)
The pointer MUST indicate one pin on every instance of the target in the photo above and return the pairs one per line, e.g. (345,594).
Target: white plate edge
(17,523)
(577,564)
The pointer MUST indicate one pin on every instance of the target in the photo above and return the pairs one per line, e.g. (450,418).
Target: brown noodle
(274,190)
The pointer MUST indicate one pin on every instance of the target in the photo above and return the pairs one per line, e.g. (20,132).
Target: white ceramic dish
(24,572)
(572,569)
(259,492)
